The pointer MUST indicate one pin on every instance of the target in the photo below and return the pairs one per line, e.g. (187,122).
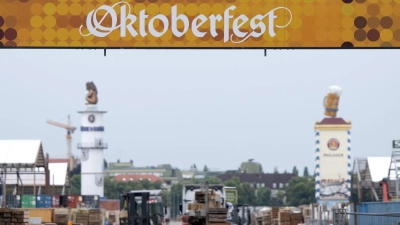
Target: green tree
(233,182)
(76,184)
(166,199)
(175,198)
(76,170)
(246,194)
(278,199)
(105,164)
(263,197)
(205,169)
(301,190)
(305,173)
(213,180)
(157,185)
(295,171)
(113,189)
(276,170)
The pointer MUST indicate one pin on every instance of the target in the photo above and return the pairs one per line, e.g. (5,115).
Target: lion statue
(91,97)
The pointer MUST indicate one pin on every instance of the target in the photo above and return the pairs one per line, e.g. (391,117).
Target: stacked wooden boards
(14,216)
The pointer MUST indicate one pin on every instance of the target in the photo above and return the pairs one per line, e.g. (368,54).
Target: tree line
(300,190)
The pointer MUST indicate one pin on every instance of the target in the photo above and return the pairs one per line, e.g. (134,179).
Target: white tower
(92,146)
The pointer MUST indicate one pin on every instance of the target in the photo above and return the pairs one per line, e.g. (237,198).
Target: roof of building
(64,160)
(334,120)
(251,167)
(135,177)
(268,179)
(378,167)
(21,153)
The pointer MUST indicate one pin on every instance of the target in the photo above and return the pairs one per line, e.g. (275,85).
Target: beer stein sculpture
(331,101)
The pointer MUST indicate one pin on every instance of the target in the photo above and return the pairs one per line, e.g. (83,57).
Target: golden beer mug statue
(331,101)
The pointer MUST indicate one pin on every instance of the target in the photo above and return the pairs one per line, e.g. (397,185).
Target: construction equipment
(206,207)
(241,214)
(70,129)
(142,208)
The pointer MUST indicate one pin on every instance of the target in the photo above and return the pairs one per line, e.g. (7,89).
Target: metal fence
(317,222)
(343,217)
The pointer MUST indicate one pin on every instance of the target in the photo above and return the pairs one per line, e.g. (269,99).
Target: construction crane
(70,129)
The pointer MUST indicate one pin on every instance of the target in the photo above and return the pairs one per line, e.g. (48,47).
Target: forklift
(141,208)
(241,214)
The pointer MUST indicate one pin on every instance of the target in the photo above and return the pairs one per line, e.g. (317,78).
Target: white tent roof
(378,167)
(20,152)
(59,171)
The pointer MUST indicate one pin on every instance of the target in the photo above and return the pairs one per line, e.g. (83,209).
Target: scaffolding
(22,157)
(394,175)
(362,184)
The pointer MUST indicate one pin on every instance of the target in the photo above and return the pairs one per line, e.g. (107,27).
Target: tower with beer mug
(92,145)
(332,153)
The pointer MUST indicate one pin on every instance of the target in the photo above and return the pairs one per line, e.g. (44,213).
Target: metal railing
(342,217)
(92,145)
(317,222)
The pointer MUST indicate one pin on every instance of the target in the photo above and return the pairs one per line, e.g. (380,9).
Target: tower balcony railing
(92,145)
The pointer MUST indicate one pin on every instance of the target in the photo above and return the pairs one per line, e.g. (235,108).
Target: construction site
(38,188)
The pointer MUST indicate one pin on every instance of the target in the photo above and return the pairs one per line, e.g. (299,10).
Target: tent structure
(367,176)
(20,159)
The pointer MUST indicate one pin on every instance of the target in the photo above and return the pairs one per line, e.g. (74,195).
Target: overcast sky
(217,108)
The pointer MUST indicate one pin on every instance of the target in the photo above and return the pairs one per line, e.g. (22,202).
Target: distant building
(275,182)
(138,177)
(165,171)
(251,167)
(194,173)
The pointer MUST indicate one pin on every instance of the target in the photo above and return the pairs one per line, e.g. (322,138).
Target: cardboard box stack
(14,216)
(196,206)
(112,217)
(216,214)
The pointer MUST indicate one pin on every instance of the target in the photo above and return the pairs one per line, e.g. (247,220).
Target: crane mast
(70,130)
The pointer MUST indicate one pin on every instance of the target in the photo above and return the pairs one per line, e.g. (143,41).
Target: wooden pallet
(14,216)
